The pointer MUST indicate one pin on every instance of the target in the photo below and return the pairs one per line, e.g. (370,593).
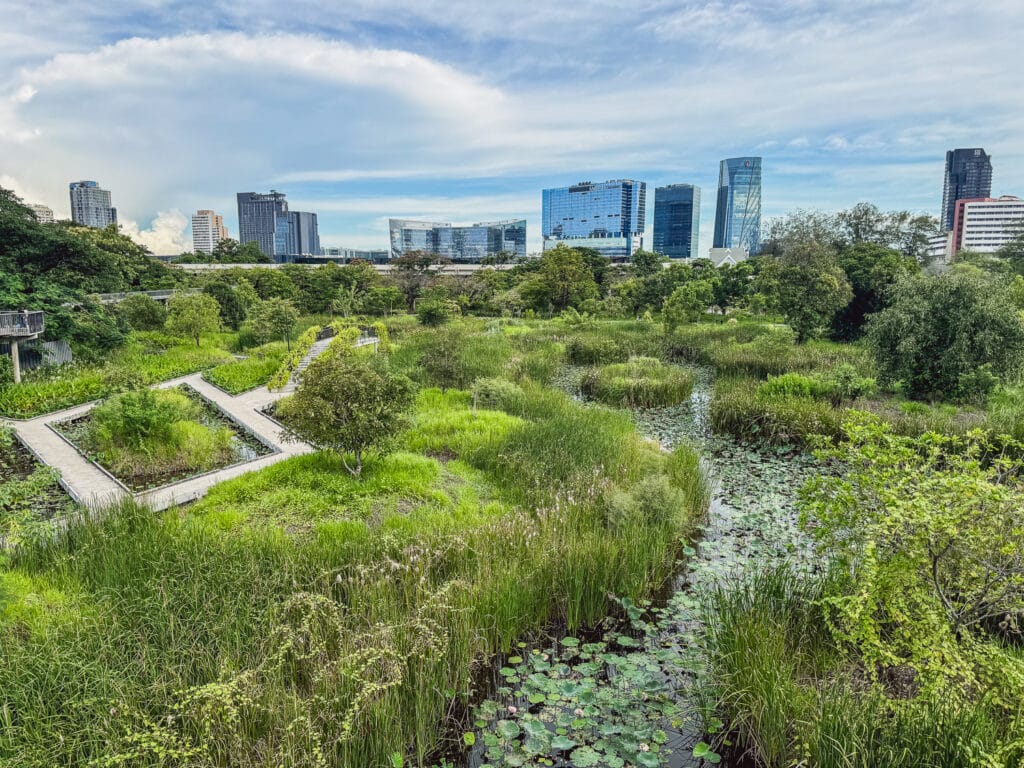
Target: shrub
(792,385)
(495,393)
(643,382)
(434,312)
(137,418)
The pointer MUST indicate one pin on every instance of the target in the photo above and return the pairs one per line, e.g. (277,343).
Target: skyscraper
(258,216)
(677,220)
(968,176)
(300,237)
(90,205)
(738,212)
(207,230)
(469,243)
(608,216)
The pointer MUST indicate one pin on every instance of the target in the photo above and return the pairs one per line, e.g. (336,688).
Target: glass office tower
(677,220)
(738,213)
(968,177)
(608,216)
(258,221)
(458,243)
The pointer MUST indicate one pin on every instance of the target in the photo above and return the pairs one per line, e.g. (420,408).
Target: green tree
(349,403)
(735,285)
(142,312)
(687,303)
(228,251)
(871,269)
(232,309)
(441,359)
(563,280)
(382,300)
(807,285)
(647,263)
(939,332)
(274,319)
(192,314)
(434,312)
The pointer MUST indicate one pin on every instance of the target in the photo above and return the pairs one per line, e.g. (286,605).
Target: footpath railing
(15,324)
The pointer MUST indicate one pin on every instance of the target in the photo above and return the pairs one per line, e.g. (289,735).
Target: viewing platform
(16,327)
(21,326)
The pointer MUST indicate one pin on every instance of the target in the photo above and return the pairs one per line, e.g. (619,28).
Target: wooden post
(15,361)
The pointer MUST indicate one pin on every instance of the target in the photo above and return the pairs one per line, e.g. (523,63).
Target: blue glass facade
(258,216)
(608,216)
(738,213)
(677,220)
(458,244)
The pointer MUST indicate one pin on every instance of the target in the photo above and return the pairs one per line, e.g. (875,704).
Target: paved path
(92,487)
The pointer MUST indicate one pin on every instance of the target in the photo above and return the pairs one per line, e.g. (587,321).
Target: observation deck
(21,326)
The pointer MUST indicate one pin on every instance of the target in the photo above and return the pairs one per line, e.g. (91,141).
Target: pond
(627,694)
(29,491)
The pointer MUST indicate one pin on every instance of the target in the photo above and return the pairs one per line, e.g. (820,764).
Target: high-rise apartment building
(258,216)
(985,225)
(44,213)
(608,216)
(90,205)
(470,243)
(207,230)
(738,210)
(968,176)
(677,220)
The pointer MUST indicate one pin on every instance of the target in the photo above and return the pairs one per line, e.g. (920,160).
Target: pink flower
(512,710)
(578,712)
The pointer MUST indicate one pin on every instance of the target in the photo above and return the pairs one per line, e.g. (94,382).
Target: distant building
(90,205)
(44,213)
(207,230)
(939,248)
(470,243)
(985,225)
(677,220)
(722,256)
(738,209)
(346,255)
(608,216)
(968,176)
(296,234)
(258,216)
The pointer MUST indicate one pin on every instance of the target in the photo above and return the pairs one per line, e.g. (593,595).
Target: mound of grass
(741,409)
(643,382)
(149,434)
(257,369)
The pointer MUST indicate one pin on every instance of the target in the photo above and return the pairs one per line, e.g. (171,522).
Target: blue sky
(463,110)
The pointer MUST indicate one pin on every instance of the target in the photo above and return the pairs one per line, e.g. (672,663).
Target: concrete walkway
(92,487)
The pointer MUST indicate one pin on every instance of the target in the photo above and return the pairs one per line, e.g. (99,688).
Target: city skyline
(436,111)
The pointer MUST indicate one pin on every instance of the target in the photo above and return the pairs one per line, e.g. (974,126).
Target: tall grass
(298,616)
(257,369)
(643,382)
(789,697)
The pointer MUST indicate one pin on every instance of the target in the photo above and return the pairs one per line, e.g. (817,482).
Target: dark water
(752,521)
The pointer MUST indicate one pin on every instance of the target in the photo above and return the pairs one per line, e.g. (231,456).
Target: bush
(135,419)
(643,382)
(793,385)
(434,312)
(495,393)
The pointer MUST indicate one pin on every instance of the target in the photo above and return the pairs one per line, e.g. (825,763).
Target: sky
(463,110)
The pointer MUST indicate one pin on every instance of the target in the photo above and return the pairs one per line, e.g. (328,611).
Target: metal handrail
(21,323)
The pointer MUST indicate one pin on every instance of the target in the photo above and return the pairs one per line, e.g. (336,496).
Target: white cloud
(166,234)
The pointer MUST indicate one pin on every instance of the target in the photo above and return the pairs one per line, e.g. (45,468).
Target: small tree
(434,312)
(382,300)
(442,360)
(274,319)
(687,303)
(348,402)
(191,315)
(142,312)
